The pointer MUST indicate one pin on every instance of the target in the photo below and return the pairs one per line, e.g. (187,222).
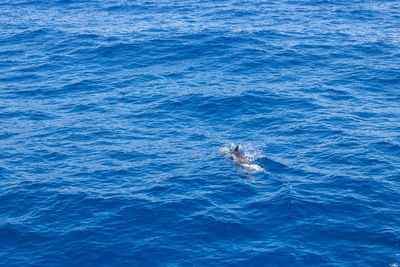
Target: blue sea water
(114,116)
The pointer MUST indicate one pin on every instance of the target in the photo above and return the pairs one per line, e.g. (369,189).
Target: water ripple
(114,116)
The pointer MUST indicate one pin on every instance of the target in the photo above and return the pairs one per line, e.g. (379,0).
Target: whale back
(239,157)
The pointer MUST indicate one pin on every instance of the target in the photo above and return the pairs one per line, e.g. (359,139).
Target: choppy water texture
(113,116)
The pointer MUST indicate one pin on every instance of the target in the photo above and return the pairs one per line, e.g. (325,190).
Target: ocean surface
(117,118)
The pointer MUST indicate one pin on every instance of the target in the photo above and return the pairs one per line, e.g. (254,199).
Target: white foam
(255,167)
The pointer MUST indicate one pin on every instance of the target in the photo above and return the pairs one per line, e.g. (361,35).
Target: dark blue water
(115,115)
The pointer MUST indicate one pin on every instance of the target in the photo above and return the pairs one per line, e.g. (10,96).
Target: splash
(251,152)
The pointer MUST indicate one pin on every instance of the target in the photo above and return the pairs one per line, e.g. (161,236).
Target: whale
(238,157)
(242,160)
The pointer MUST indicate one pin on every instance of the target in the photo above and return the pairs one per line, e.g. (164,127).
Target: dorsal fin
(237,148)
